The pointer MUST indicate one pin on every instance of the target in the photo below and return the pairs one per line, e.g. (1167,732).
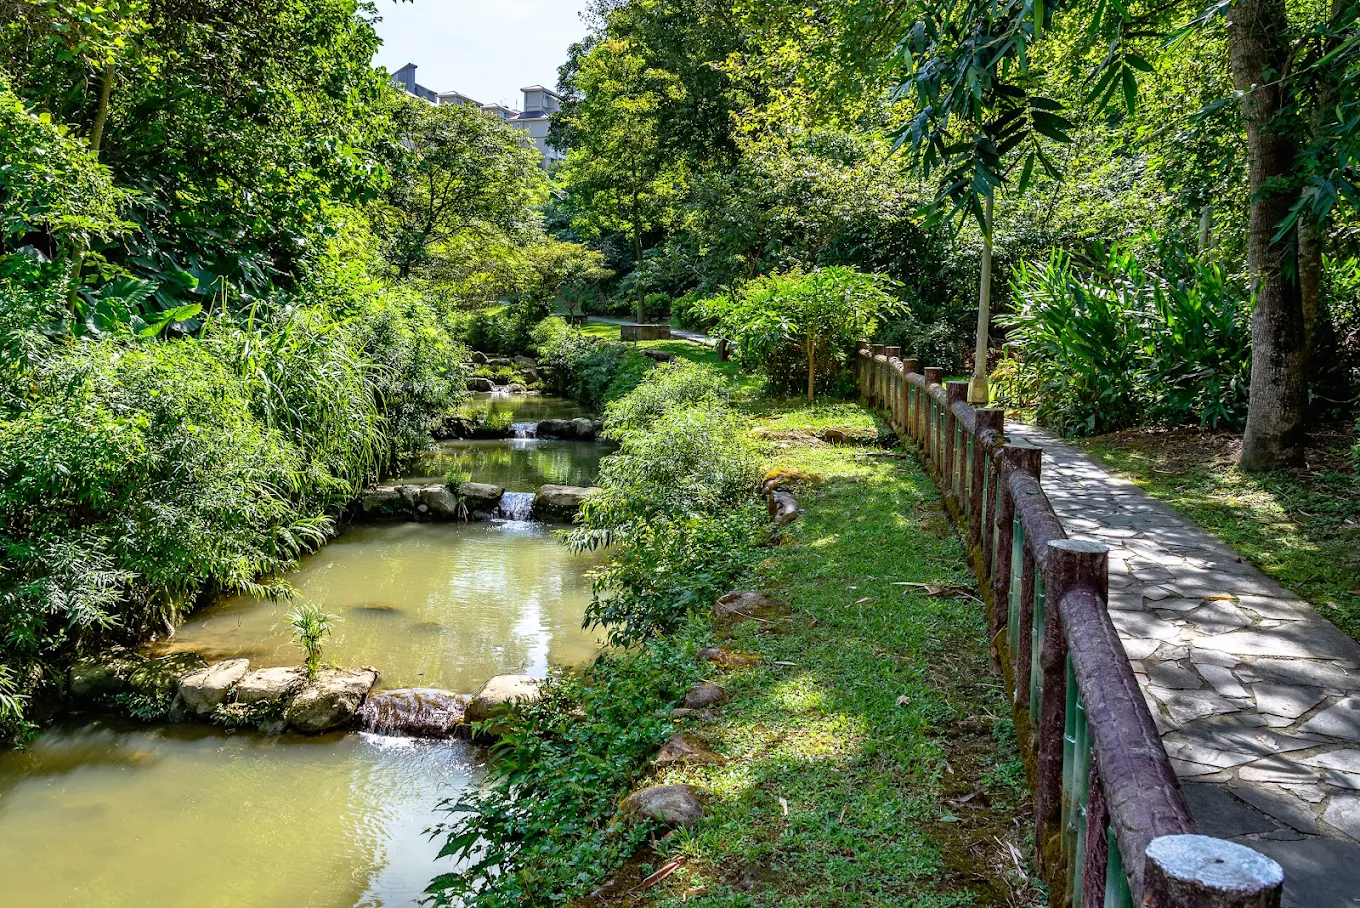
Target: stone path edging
(1256,696)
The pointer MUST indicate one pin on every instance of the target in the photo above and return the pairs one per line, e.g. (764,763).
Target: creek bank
(468,501)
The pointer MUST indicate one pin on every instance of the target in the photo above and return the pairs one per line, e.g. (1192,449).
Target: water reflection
(518,464)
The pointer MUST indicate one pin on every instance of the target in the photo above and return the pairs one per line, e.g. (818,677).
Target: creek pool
(112,814)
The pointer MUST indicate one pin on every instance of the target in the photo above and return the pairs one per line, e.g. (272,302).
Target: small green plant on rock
(311,626)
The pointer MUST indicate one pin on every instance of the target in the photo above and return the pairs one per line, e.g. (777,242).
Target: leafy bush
(588,369)
(138,477)
(801,328)
(670,386)
(1108,347)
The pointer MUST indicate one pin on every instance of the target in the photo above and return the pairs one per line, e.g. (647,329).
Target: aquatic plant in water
(310,627)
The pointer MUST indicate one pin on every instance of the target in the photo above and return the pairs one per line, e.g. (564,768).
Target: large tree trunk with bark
(1258,45)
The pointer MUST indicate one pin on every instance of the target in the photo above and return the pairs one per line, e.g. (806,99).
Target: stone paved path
(1257,696)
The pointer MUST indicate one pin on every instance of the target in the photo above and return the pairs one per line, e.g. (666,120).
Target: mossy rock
(97,680)
(158,679)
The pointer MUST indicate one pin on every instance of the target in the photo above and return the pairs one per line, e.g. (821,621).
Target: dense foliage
(1117,345)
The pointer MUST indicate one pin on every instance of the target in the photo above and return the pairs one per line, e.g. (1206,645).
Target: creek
(119,814)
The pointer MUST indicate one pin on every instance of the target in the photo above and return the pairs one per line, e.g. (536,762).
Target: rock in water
(560,503)
(498,693)
(480,497)
(330,701)
(416,713)
(157,679)
(269,685)
(675,806)
(478,384)
(97,680)
(583,428)
(441,503)
(206,689)
(553,428)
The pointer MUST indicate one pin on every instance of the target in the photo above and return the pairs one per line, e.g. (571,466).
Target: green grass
(885,719)
(1301,527)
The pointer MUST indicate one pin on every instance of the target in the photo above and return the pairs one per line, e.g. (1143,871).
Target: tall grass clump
(1112,345)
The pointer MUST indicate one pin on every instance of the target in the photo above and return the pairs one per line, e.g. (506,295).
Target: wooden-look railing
(1111,825)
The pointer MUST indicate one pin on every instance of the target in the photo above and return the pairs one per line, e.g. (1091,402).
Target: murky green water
(116,815)
(120,816)
(527,408)
(518,465)
(429,605)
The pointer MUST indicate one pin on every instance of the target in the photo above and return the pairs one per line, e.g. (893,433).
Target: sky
(486,49)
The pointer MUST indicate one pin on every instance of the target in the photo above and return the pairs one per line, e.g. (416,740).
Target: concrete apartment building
(540,104)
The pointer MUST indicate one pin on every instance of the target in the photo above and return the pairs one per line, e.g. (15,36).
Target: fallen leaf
(864,600)
(903,700)
(784,663)
(784,805)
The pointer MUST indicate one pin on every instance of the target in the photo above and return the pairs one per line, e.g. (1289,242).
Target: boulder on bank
(526,361)
(479,384)
(581,429)
(204,690)
(515,388)
(560,503)
(500,692)
(478,357)
(330,701)
(269,685)
(747,605)
(675,806)
(703,695)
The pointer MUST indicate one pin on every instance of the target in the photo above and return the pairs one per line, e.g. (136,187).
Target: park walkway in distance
(1257,697)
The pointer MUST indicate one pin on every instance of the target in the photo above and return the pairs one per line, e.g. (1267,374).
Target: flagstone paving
(1257,696)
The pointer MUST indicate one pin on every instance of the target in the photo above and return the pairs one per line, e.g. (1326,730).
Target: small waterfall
(525,429)
(417,713)
(516,506)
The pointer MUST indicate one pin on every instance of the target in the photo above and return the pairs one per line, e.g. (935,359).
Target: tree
(821,314)
(617,166)
(458,171)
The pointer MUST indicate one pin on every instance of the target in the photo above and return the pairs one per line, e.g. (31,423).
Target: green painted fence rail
(1112,827)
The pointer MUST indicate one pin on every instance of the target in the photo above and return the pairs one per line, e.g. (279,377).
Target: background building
(539,106)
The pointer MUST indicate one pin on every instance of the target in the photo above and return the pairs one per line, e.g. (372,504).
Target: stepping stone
(1308,673)
(1255,643)
(703,695)
(1171,675)
(1223,680)
(1278,769)
(681,749)
(1343,760)
(1217,617)
(675,806)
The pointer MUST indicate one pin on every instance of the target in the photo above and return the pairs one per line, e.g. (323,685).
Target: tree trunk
(978,392)
(812,370)
(101,119)
(1259,50)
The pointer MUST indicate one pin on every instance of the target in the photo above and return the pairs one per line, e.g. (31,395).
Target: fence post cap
(1084,546)
(1213,867)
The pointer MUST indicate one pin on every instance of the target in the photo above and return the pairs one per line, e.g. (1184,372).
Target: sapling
(310,627)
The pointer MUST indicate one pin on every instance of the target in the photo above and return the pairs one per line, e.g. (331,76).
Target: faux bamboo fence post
(1112,827)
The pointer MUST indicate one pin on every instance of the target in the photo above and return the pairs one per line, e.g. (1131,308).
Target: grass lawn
(870,759)
(1301,527)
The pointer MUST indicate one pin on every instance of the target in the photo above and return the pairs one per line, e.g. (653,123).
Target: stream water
(116,815)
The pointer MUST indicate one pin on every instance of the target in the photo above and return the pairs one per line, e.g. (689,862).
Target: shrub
(1108,347)
(588,369)
(801,328)
(671,386)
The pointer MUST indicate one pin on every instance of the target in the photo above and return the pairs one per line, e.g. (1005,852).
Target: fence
(1111,825)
